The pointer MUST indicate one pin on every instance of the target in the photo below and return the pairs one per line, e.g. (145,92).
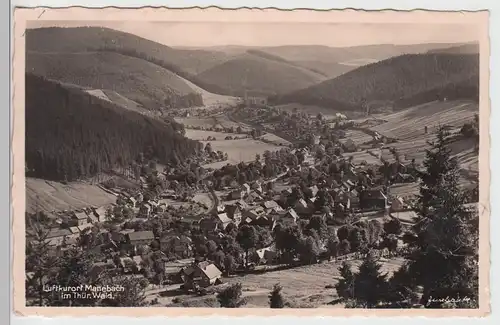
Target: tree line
(405,80)
(72,135)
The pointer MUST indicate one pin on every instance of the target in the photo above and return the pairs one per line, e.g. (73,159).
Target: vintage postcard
(250,162)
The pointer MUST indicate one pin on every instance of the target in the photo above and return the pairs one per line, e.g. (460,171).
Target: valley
(189,173)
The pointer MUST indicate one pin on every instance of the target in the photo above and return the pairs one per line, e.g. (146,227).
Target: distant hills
(225,70)
(59,43)
(396,82)
(80,39)
(71,134)
(470,48)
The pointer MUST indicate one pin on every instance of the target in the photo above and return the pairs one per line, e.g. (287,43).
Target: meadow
(303,287)
(241,149)
(42,195)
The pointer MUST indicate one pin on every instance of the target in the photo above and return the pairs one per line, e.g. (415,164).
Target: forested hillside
(185,63)
(260,75)
(79,39)
(138,80)
(401,81)
(71,134)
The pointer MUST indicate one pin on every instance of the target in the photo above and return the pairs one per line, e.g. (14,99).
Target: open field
(211,100)
(202,135)
(50,196)
(241,149)
(409,124)
(309,109)
(405,189)
(204,122)
(302,286)
(357,136)
(215,121)
(360,156)
(275,139)
(463,150)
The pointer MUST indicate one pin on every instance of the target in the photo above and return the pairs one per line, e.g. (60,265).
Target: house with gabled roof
(266,255)
(145,210)
(221,208)
(224,220)
(201,274)
(79,218)
(82,228)
(132,202)
(289,216)
(100,214)
(234,213)
(372,199)
(271,206)
(397,204)
(236,194)
(250,213)
(301,207)
(137,238)
(178,245)
(246,188)
(253,197)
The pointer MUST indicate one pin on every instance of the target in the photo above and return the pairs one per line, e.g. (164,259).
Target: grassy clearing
(216,121)
(303,287)
(201,135)
(273,138)
(360,156)
(53,196)
(309,109)
(242,149)
(409,124)
(358,137)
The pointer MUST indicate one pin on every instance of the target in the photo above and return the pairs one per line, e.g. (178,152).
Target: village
(189,229)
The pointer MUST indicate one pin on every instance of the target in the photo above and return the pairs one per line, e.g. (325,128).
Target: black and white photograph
(252,164)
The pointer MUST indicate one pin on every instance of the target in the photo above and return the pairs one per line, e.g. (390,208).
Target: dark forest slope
(400,81)
(71,134)
(137,79)
(260,75)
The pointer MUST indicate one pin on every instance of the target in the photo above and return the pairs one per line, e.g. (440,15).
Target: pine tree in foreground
(444,257)
(370,284)
(276,298)
(345,286)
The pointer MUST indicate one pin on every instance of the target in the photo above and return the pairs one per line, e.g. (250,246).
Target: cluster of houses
(70,225)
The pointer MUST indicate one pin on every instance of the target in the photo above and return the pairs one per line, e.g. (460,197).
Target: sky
(200,34)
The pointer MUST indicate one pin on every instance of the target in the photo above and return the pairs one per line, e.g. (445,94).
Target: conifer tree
(276,299)
(345,286)
(447,233)
(41,265)
(370,285)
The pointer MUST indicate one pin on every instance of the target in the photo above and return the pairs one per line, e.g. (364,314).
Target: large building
(255,101)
